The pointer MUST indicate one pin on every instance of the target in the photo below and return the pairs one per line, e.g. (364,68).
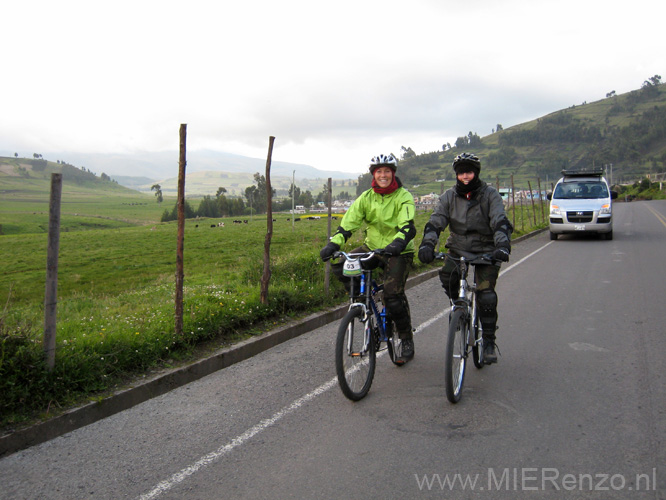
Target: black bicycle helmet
(383,161)
(467,162)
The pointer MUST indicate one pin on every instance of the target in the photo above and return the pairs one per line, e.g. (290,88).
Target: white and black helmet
(467,162)
(383,161)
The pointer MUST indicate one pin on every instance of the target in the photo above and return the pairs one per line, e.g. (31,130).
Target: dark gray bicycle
(465,330)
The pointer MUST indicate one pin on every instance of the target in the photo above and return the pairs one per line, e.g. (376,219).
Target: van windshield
(581,189)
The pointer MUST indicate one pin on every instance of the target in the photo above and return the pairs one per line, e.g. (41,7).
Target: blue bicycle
(364,327)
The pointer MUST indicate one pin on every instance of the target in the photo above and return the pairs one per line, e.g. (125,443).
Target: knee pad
(398,307)
(487,300)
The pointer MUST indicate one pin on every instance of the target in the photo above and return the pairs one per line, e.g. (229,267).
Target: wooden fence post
(180,274)
(513,201)
(327,268)
(543,215)
(529,184)
(51,292)
(266,276)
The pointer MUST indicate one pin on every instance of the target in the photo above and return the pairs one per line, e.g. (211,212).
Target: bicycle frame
(368,290)
(467,301)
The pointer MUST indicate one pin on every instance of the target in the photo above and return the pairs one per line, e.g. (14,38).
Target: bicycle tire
(477,351)
(392,337)
(355,361)
(456,355)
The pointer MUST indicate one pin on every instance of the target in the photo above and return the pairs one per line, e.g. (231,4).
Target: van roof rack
(584,172)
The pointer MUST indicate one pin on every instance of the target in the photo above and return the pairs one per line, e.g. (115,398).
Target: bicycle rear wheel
(456,355)
(393,344)
(355,354)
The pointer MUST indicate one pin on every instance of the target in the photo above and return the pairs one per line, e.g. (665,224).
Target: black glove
(426,253)
(395,247)
(326,252)
(501,254)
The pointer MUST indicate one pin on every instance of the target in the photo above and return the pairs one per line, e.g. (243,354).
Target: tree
(158,192)
(256,194)
(323,194)
(220,191)
(15,155)
(474,140)
(461,142)
(407,153)
(296,192)
(208,207)
(650,85)
(364,183)
(306,199)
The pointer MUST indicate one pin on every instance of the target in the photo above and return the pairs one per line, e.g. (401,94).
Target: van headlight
(605,209)
(555,210)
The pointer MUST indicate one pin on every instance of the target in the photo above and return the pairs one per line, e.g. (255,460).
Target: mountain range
(141,170)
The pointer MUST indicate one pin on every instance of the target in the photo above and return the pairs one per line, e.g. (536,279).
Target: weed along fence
(525,207)
(50,302)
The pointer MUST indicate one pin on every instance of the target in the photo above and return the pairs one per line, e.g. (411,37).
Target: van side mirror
(613,195)
(549,196)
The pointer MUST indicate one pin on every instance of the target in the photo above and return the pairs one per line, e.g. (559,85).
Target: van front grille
(580,216)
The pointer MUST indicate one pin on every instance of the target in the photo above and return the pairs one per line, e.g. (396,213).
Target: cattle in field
(220,224)
(238,222)
(245,221)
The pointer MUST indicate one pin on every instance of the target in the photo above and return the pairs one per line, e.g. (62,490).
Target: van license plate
(579,227)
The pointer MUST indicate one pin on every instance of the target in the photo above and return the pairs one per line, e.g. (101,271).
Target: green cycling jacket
(388,217)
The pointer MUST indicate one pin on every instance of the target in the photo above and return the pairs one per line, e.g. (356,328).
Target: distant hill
(33,175)
(21,174)
(158,166)
(206,171)
(627,131)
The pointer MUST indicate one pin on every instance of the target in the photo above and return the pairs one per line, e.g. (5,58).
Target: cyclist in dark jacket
(478,224)
(387,209)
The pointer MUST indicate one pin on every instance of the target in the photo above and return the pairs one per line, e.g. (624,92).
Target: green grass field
(116,286)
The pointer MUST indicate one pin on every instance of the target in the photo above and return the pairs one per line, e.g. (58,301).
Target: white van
(581,202)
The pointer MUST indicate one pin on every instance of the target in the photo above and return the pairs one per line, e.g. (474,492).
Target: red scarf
(388,189)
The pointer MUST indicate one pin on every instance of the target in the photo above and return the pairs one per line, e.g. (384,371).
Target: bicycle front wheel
(355,354)
(456,355)
(477,351)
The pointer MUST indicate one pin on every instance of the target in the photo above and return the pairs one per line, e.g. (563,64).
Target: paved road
(575,408)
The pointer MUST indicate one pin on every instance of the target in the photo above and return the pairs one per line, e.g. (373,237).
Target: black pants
(486,279)
(395,272)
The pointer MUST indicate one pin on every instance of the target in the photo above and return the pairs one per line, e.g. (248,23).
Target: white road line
(236,442)
(287,410)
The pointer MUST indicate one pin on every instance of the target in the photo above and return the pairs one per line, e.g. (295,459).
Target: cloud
(334,83)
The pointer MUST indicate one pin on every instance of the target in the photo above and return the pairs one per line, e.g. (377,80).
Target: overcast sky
(335,82)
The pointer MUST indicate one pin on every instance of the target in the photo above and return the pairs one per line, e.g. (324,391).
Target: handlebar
(485,258)
(363,255)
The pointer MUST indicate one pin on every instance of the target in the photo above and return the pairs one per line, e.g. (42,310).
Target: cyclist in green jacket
(475,215)
(388,210)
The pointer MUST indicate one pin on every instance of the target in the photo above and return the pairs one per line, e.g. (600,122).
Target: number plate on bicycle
(352,267)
